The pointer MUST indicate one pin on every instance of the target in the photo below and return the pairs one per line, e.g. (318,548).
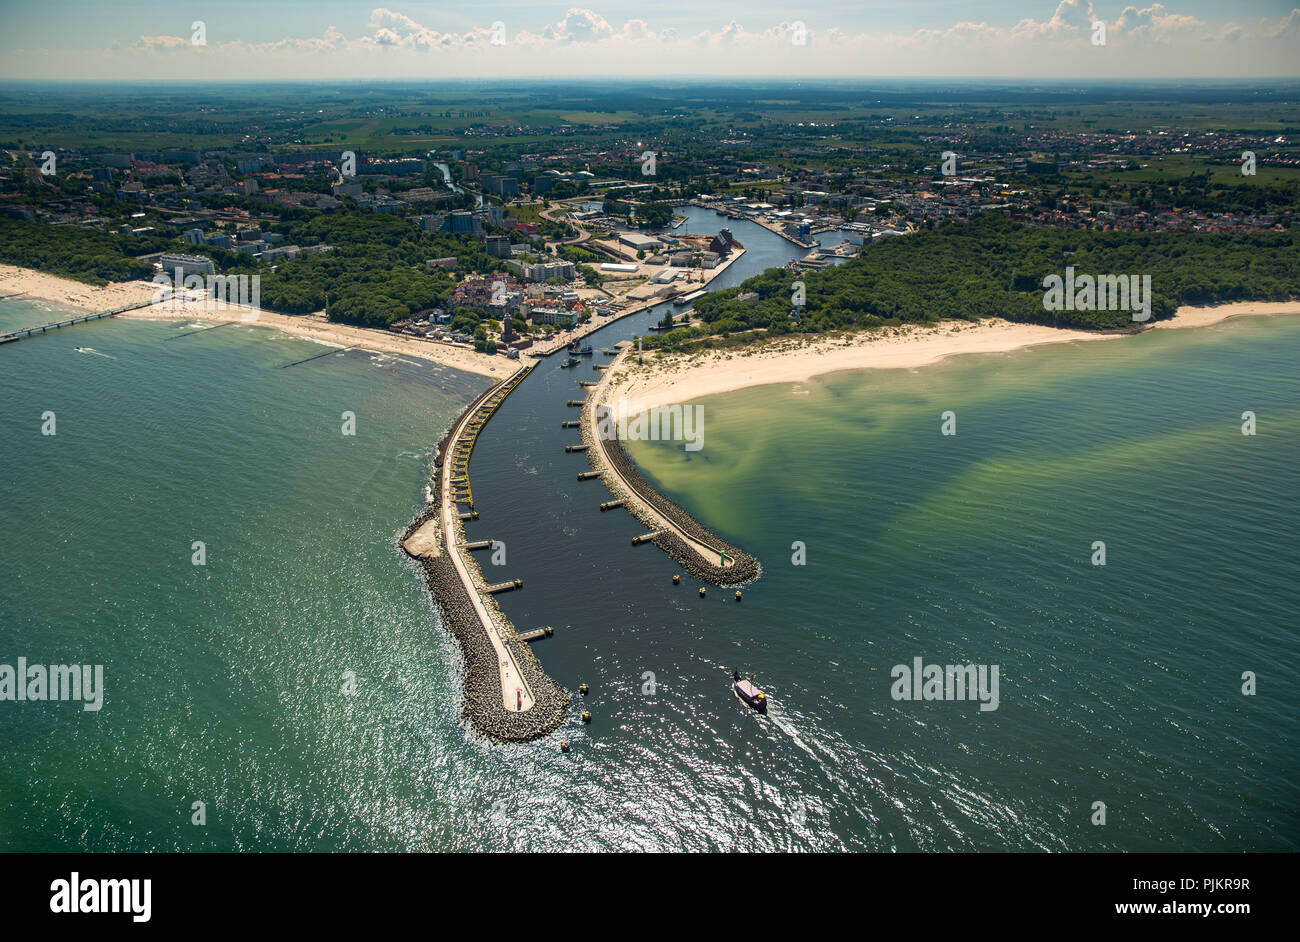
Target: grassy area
(524,212)
(395,116)
(1166,167)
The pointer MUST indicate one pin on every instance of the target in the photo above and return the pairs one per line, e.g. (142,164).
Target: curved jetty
(702,553)
(507,694)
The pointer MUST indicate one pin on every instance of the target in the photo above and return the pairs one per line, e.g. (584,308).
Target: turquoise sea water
(221,681)
(1120,684)
(225,683)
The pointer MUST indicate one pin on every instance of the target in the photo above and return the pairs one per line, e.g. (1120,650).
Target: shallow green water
(224,683)
(1120,683)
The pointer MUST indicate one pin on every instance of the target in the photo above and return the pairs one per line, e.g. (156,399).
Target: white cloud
(1289,28)
(1158,25)
(1149,41)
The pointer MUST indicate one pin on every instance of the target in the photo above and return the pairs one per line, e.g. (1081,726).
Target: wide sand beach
(74,294)
(680,378)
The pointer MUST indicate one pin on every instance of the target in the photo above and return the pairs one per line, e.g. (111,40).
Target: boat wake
(787,727)
(94,352)
(825,758)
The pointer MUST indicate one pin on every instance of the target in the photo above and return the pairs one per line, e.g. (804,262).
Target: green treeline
(86,255)
(989,266)
(375,272)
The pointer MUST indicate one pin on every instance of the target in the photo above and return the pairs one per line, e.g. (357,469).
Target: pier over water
(13,335)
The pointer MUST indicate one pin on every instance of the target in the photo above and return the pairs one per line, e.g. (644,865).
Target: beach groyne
(693,546)
(507,695)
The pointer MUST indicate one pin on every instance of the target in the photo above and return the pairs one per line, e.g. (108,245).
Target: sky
(451,39)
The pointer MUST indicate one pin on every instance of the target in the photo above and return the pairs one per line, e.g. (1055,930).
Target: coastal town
(498,248)
(527,249)
(743,428)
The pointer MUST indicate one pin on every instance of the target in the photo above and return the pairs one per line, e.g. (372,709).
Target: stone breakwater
(483,705)
(629,485)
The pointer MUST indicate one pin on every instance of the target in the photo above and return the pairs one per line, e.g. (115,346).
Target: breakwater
(693,546)
(493,650)
(482,704)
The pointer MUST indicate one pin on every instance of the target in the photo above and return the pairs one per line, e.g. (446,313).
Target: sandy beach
(680,378)
(74,294)
(674,378)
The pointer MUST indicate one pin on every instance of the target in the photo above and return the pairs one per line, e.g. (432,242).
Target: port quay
(507,695)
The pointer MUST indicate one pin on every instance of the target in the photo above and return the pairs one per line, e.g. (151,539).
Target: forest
(374,273)
(989,266)
(87,255)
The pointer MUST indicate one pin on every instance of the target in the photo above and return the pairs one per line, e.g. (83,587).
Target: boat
(586,351)
(745,689)
(569,363)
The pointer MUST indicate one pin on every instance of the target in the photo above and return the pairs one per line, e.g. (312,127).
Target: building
(447,263)
(498,246)
(723,243)
(545,271)
(554,315)
(639,242)
(186,264)
(275,254)
(423,194)
(462,222)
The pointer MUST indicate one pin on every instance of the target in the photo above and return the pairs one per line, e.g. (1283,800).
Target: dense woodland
(82,254)
(375,272)
(989,266)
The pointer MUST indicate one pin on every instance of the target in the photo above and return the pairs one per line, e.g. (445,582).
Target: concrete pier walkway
(516,694)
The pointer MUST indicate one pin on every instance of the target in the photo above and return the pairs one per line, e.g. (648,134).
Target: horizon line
(659,79)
